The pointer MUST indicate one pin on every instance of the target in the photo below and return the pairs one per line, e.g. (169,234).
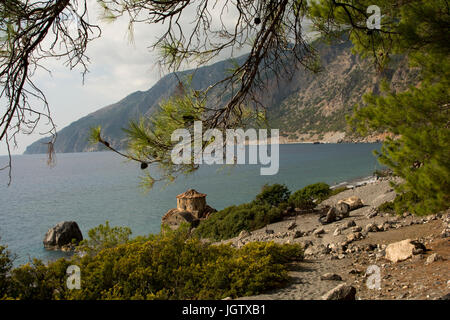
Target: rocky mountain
(305,107)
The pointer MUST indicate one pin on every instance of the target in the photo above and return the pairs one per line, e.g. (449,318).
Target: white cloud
(117,69)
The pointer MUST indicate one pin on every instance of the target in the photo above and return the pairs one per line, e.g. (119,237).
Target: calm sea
(90,188)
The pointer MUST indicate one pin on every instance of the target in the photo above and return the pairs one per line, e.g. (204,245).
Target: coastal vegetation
(170,265)
(228,222)
(269,206)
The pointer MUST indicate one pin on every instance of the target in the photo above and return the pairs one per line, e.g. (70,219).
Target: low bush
(304,198)
(169,266)
(228,222)
(400,204)
(6,264)
(274,194)
(104,236)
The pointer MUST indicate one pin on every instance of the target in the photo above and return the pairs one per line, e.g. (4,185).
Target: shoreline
(246,144)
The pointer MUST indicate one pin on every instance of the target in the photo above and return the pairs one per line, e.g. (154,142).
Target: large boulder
(354,202)
(343,209)
(402,250)
(329,217)
(63,236)
(341,292)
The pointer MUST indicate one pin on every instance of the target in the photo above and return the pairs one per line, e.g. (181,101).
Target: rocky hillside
(411,252)
(308,107)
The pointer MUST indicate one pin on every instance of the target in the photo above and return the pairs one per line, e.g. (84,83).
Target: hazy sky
(117,69)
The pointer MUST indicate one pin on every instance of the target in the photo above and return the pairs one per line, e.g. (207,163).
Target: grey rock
(341,292)
(291,225)
(354,236)
(337,232)
(63,235)
(350,224)
(342,209)
(319,231)
(372,212)
(371,227)
(244,234)
(306,244)
(433,258)
(331,276)
(297,234)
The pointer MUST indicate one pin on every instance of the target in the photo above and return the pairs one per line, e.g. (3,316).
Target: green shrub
(273,194)
(228,222)
(103,237)
(6,264)
(387,207)
(303,198)
(38,281)
(169,266)
(400,204)
(336,191)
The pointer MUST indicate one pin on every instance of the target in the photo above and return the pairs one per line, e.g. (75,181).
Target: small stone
(244,234)
(351,237)
(342,210)
(337,232)
(306,244)
(371,227)
(417,257)
(334,247)
(402,296)
(291,225)
(310,251)
(319,231)
(269,231)
(350,224)
(341,292)
(298,234)
(356,229)
(331,276)
(63,236)
(370,247)
(372,212)
(354,271)
(433,258)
